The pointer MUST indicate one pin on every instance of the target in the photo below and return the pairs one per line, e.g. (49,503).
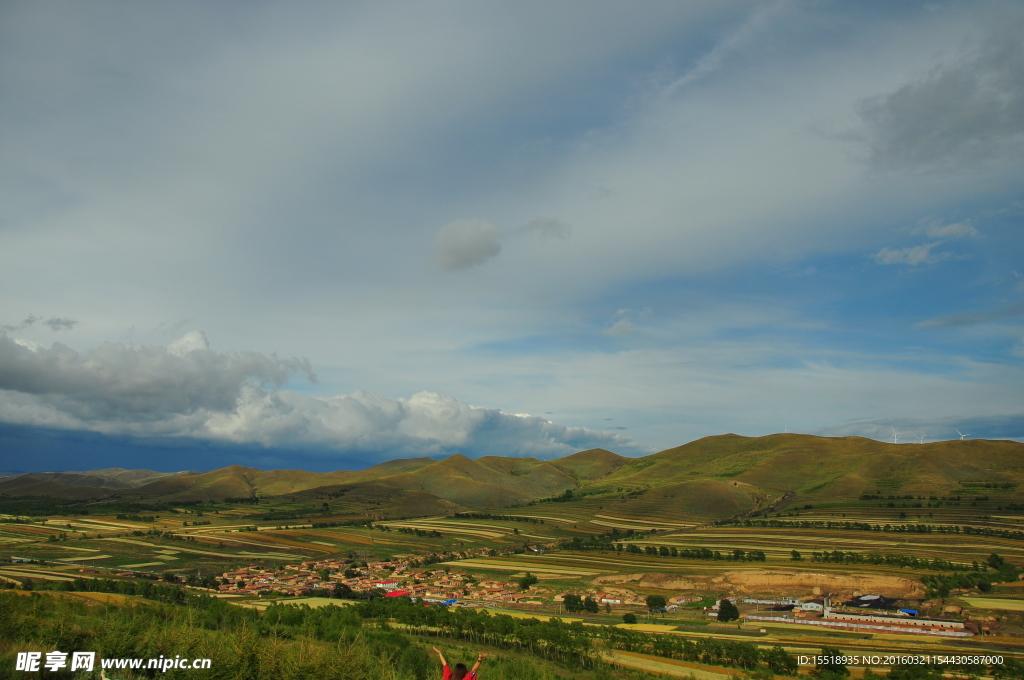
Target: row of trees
(433,533)
(885,528)
(744,655)
(505,518)
(736,555)
(143,588)
(850,557)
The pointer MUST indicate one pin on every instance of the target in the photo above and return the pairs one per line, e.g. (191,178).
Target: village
(396,578)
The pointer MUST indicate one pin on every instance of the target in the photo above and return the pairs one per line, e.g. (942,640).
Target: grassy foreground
(284,643)
(378,639)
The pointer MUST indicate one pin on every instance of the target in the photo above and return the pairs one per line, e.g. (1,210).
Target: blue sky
(356,232)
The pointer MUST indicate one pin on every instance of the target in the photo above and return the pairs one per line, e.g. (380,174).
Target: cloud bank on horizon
(705,217)
(187,389)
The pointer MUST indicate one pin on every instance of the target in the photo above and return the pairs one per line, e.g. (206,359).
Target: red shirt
(446,674)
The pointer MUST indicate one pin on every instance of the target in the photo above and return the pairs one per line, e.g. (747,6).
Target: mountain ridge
(712,477)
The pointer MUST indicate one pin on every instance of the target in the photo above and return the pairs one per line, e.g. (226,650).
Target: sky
(337,234)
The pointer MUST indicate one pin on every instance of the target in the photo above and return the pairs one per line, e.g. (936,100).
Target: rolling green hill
(587,466)
(832,467)
(711,478)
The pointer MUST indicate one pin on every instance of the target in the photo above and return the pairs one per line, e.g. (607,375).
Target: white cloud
(464,243)
(621,328)
(187,389)
(937,230)
(913,256)
(922,254)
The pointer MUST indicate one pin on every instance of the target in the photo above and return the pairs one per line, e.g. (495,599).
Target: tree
(727,611)
(572,603)
(795,556)
(170,577)
(629,618)
(527,581)
(590,604)
(830,664)
(780,661)
(323,574)
(655,602)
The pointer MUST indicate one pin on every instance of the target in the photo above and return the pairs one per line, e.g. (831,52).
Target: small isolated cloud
(622,328)
(59,324)
(976,316)
(187,389)
(913,256)
(945,232)
(55,323)
(465,243)
(547,227)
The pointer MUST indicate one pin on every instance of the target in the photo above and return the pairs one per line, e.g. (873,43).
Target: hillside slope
(711,478)
(825,468)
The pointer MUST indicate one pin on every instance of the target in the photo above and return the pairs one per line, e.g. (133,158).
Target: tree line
(885,528)
(505,518)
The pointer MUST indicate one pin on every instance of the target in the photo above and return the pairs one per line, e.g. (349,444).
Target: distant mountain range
(713,477)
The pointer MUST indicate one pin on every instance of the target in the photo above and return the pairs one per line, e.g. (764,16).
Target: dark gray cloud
(115,381)
(958,114)
(55,323)
(188,389)
(976,316)
(464,243)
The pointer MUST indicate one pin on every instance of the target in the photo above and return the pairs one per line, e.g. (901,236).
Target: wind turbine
(895,435)
(920,440)
(962,435)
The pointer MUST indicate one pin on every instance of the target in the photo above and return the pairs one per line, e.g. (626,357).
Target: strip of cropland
(505,564)
(199,552)
(452,527)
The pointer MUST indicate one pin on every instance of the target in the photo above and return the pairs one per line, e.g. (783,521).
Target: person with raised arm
(459,672)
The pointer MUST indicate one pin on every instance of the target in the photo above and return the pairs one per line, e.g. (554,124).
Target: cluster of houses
(396,578)
(615,597)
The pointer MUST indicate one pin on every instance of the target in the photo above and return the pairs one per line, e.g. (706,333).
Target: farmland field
(621,539)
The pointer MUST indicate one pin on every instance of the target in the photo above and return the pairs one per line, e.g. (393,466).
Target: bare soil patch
(750,581)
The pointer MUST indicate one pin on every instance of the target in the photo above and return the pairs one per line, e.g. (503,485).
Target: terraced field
(697,496)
